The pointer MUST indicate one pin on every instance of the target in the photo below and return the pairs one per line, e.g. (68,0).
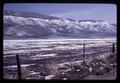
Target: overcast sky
(106,12)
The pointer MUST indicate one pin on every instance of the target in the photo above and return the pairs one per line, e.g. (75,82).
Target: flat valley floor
(50,59)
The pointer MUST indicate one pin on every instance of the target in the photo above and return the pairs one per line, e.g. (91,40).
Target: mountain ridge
(31,25)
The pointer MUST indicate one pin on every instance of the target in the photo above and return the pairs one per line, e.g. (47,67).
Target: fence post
(18,67)
(113,48)
(84,53)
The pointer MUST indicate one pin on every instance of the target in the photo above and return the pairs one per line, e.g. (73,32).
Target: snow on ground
(38,56)
(27,45)
(44,55)
(103,55)
(33,73)
(8,56)
(49,77)
(15,66)
(68,47)
(68,63)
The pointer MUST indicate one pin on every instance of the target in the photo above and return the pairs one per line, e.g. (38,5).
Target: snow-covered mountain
(33,25)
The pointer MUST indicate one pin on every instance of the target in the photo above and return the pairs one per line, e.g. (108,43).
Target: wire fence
(112,50)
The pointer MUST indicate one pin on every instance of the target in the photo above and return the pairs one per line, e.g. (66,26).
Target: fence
(84,54)
(18,67)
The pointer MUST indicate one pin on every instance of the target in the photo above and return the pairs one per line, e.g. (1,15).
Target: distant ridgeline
(34,25)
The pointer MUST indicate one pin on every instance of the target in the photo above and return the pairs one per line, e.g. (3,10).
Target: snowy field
(57,51)
(23,46)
